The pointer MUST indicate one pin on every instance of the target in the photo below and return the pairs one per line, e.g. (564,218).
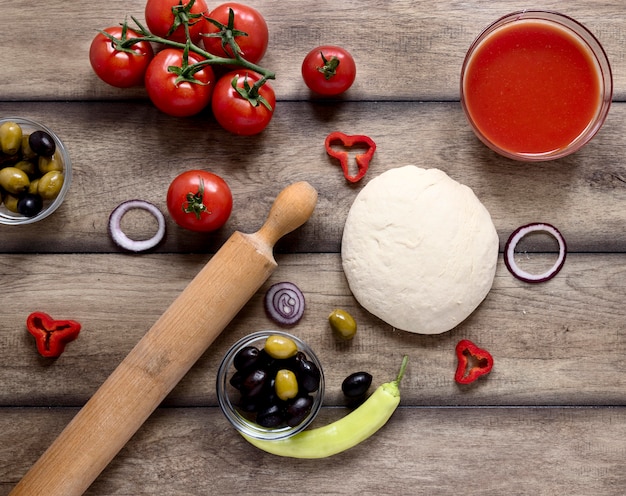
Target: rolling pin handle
(292,207)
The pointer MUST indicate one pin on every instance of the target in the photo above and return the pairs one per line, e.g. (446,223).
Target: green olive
(26,166)
(47,164)
(278,346)
(14,180)
(342,323)
(286,384)
(27,151)
(33,186)
(10,137)
(10,202)
(50,184)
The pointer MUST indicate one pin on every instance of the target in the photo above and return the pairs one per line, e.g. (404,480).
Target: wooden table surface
(549,419)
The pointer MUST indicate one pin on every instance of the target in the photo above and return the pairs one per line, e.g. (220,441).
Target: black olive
(42,143)
(236,380)
(271,416)
(268,395)
(298,409)
(265,361)
(30,205)
(249,405)
(246,358)
(308,376)
(356,385)
(254,383)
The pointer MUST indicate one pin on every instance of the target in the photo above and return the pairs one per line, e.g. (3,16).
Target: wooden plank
(582,194)
(557,343)
(549,419)
(405,49)
(492,451)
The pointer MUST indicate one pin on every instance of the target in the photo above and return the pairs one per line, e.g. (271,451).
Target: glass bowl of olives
(270,385)
(35,171)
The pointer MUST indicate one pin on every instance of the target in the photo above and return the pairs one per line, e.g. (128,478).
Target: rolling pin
(166,352)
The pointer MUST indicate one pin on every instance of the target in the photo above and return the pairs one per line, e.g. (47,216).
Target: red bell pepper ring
(362,159)
(473,362)
(51,335)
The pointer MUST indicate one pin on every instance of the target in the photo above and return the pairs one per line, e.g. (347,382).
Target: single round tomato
(160,19)
(118,68)
(199,200)
(328,70)
(237,114)
(180,99)
(247,20)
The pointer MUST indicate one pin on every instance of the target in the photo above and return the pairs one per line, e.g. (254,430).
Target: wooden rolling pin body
(165,354)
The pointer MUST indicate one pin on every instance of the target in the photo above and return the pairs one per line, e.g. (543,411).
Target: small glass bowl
(49,206)
(228,396)
(597,54)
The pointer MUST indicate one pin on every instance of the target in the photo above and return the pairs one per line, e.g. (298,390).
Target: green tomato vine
(184,17)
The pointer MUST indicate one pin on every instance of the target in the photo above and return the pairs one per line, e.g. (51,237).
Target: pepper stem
(405,361)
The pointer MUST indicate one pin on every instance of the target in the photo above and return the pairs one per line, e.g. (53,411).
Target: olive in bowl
(270,385)
(35,171)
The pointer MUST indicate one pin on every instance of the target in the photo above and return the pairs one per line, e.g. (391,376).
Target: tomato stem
(329,69)
(194,204)
(123,43)
(251,93)
(227,33)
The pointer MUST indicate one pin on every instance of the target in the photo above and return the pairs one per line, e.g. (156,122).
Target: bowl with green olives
(270,385)
(35,171)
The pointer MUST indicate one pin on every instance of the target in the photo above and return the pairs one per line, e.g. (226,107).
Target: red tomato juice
(531,87)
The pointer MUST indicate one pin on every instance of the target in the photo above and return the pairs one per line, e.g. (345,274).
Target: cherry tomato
(199,200)
(247,20)
(235,113)
(160,18)
(117,68)
(328,70)
(180,99)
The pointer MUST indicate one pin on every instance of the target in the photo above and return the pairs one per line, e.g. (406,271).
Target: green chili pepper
(343,434)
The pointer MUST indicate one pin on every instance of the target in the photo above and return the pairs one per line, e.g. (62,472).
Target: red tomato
(160,19)
(180,99)
(237,114)
(199,200)
(248,20)
(120,69)
(328,70)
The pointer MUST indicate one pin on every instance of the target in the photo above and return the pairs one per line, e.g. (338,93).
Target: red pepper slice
(362,159)
(51,335)
(473,362)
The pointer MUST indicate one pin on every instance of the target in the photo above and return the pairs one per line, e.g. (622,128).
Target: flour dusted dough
(419,250)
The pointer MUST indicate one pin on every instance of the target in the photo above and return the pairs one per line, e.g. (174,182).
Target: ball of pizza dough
(419,250)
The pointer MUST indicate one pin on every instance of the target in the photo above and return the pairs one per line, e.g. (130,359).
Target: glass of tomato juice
(536,85)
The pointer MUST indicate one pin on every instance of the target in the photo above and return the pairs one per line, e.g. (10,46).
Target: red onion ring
(284,303)
(516,237)
(123,241)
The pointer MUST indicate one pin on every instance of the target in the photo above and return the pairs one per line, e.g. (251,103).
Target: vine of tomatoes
(179,79)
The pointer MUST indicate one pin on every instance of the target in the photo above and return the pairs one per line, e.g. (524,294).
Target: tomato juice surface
(531,87)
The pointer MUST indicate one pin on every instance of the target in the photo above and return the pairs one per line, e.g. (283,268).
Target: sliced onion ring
(284,303)
(516,237)
(123,241)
